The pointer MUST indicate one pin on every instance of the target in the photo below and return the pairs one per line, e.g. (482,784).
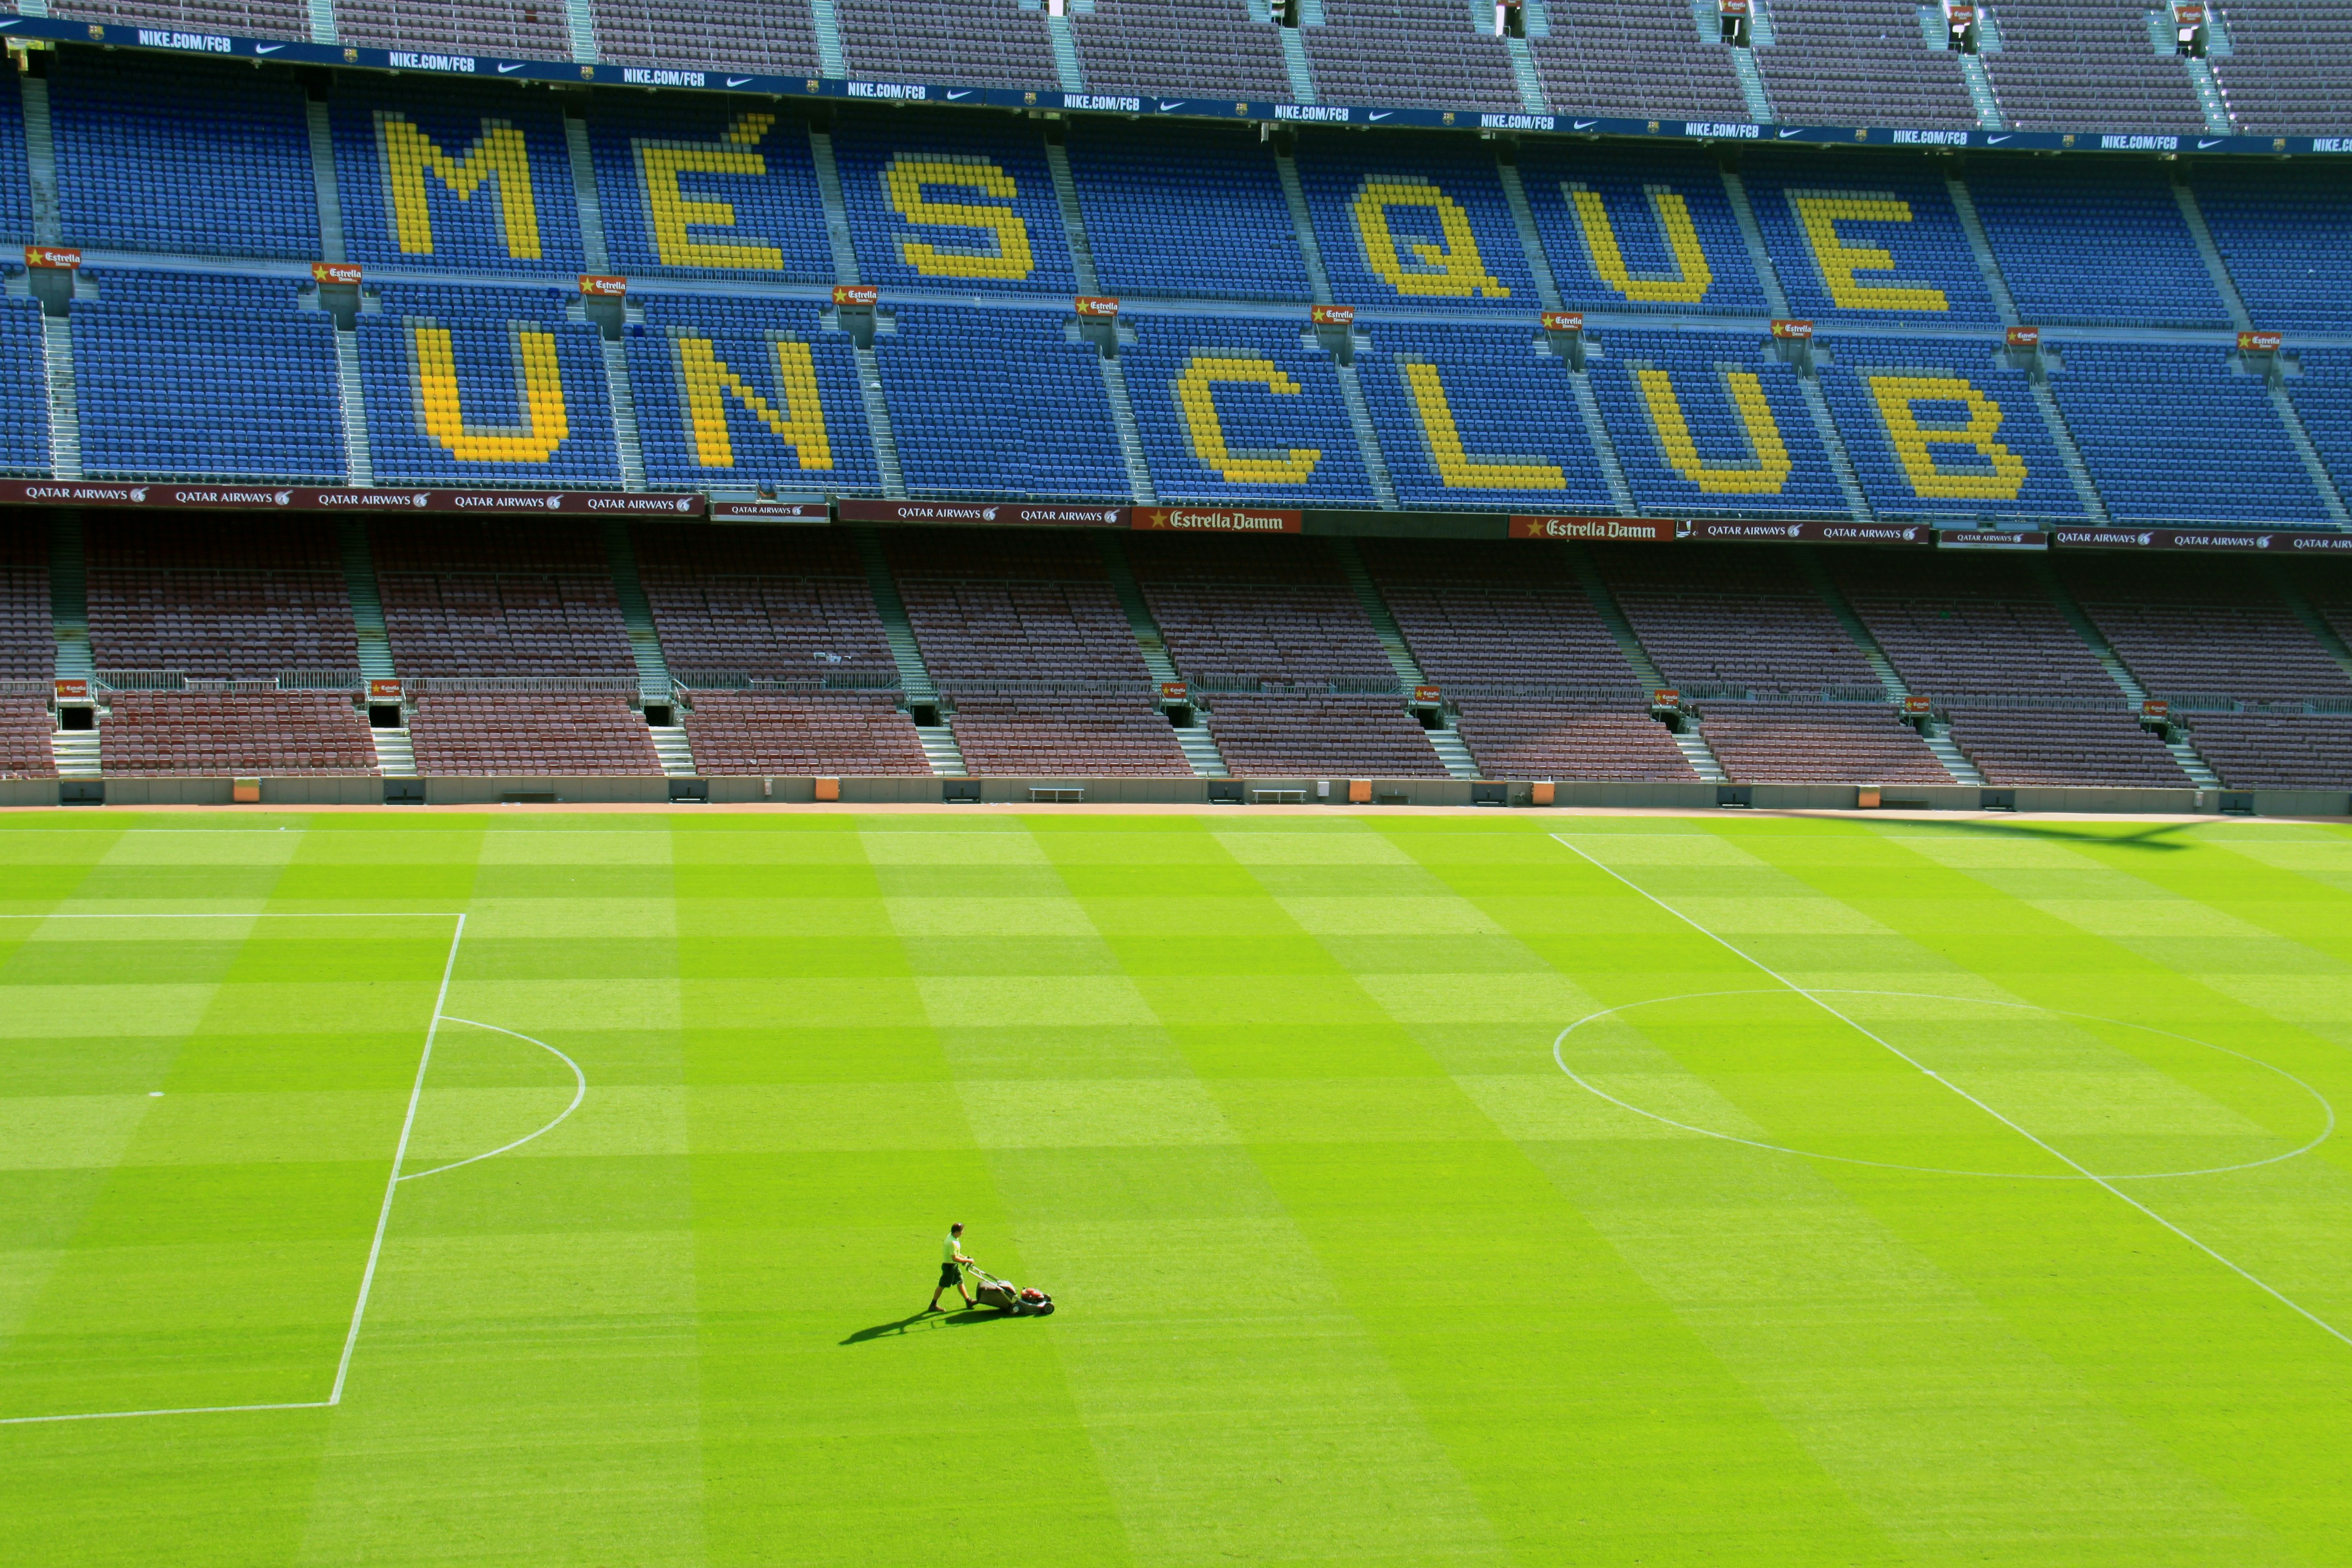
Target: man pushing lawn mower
(1001,1294)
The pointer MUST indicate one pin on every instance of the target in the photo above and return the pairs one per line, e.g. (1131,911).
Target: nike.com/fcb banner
(284,498)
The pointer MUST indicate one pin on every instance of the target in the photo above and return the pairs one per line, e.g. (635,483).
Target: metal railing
(738,680)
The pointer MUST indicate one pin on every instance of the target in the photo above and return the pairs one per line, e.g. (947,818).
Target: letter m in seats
(498,159)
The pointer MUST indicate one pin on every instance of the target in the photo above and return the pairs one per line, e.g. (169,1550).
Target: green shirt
(950,1248)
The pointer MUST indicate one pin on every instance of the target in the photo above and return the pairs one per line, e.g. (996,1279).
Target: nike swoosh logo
(1995,140)
(505,69)
(737,80)
(267,48)
(1582,124)
(1168,108)
(953,96)
(1784,135)
(2201,145)
(10,22)
(1383,114)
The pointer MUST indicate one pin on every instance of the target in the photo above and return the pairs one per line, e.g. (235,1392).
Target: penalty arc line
(2260,1284)
(579,1093)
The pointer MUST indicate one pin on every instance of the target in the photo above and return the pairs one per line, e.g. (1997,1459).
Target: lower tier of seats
(1095,736)
(196,734)
(1292,737)
(468,736)
(1771,743)
(24,750)
(2260,751)
(777,734)
(2010,747)
(1515,739)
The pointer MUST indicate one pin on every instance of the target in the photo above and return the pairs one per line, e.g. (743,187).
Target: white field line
(579,1093)
(2267,1288)
(189,1410)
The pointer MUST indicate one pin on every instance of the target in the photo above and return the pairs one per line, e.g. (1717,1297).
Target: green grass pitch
(1415,1190)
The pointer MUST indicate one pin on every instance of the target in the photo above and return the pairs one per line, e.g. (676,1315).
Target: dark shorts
(949,1277)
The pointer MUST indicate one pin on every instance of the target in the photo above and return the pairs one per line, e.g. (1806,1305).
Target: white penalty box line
(1818,1000)
(399,1156)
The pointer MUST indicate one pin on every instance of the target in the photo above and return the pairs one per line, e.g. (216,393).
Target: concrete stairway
(1200,748)
(396,757)
(69,597)
(75,752)
(367,604)
(1689,741)
(64,407)
(1445,742)
(940,749)
(677,755)
(2200,772)
(1890,680)
(1360,415)
(359,456)
(645,643)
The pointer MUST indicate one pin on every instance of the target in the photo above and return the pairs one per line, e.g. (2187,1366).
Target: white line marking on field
(2265,1286)
(190,1410)
(579,1093)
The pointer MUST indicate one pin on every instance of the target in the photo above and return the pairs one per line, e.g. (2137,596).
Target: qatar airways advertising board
(156,497)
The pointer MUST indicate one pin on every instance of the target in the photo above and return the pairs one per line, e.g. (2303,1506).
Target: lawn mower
(1003,1295)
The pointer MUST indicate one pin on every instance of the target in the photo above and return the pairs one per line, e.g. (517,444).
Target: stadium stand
(1640,59)
(748,392)
(2042,746)
(1208,48)
(249,600)
(199,734)
(177,154)
(2069,63)
(1711,423)
(689,189)
(451,176)
(989,606)
(2278,229)
(1421,53)
(1817,742)
(1204,218)
(179,375)
(1873,239)
(523,29)
(1637,229)
(2320,392)
(1862,62)
(1321,736)
(2287,66)
(1246,611)
(713,35)
(15,183)
(1481,417)
(999,403)
(28,636)
(1100,736)
(2171,434)
(25,749)
(252,18)
(834,735)
(986,43)
(23,390)
(1236,409)
(953,200)
(1528,739)
(1479,615)
(523,736)
(2255,751)
(2105,246)
(504,598)
(486,387)
(1935,428)
(761,605)
(1414,219)
(2204,628)
(1743,617)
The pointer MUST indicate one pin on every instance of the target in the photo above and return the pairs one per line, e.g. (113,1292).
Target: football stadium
(1175,782)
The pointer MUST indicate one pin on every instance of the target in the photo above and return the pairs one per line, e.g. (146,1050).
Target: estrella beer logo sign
(346,272)
(1333,315)
(2189,15)
(1425,695)
(72,690)
(1959,15)
(1732,7)
(1917,705)
(1102,307)
(597,286)
(1661,531)
(1796,330)
(855,294)
(1215,519)
(1563,321)
(64,257)
(2260,343)
(1173,690)
(383,690)
(2024,337)
(2155,708)
(1666,696)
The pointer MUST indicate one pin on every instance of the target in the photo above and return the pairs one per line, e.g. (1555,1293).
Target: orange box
(1360,792)
(1539,793)
(828,789)
(1866,797)
(244,792)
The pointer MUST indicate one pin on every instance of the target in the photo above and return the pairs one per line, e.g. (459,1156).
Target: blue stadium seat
(182,376)
(1479,418)
(2322,396)
(742,391)
(697,190)
(1237,410)
(1935,428)
(2171,434)
(1199,217)
(486,390)
(175,155)
(2281,232)
(23,390)
(1414,219)
(1711,423)
(438,176)
(15,185)
(1634,229)
(951,201)
(1871,240)
(2098,244)
(998,404)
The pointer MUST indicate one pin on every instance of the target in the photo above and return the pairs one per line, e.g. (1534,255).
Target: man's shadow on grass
(963,1320)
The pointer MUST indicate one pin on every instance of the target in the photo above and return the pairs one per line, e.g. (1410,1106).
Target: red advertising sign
(2260,343)
(72,690)
(1427,694)
(344,272)
(1333,315)
(1733,7)
(1173,690)
(1098,305)
(1563,321)
(2155,708)
(1640,530)
(1215,519)
(2189,15)
(979,513)
(1959,15)
(2195,539)
(1666,696)
(770,511)
(1917,705)
(289,497)
(1786,328)
(59,255)
(855,294)
(383,690)
(2024,337)
(600,286)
